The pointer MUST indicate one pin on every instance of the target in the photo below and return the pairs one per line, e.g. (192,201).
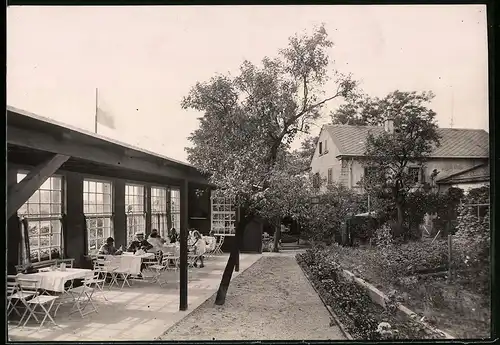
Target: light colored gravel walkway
(270,300)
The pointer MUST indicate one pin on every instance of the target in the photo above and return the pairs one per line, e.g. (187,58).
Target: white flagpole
(96,107)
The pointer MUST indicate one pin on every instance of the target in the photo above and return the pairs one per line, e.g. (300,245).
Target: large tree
(249,121)
(360,111)
(390,153)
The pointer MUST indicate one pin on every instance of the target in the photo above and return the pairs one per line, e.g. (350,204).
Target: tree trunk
(277,236)
(231,262)
(400,219)
(298,233)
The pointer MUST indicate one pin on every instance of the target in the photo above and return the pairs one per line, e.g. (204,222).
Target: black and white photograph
(248,173)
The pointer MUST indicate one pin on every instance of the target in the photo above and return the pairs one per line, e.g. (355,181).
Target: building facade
(340,154)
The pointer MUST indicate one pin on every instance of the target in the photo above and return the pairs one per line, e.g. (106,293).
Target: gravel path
(270,300)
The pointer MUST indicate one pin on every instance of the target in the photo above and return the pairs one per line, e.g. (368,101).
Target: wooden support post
(147,203)
(183,298)
(238,240)
(22,191)
(169,212)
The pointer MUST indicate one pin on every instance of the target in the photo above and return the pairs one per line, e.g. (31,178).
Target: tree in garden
(335,205)
(360,111)
(305,153)
(249,121)
(390,154)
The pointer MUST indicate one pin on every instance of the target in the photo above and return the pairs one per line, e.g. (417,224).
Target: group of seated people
(154,244)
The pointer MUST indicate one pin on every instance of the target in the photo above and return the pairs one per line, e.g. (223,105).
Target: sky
(144,60)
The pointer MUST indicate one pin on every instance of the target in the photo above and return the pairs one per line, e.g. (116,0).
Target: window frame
(223,215)
(160,216)
(134,215)
(175,212)
(39,218)
(330,176)
(104,216)
(320,147)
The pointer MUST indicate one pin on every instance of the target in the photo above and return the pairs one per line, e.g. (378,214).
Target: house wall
(74,234)
(321,163)
(444,166)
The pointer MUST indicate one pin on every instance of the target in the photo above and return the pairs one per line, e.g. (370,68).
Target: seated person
(173,235)
(155,242)
(108,248)
(139,243)
(199,248)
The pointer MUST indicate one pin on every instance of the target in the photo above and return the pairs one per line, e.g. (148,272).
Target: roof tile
(455,142)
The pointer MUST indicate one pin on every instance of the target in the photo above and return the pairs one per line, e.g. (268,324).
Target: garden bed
(458,308)
(351,302)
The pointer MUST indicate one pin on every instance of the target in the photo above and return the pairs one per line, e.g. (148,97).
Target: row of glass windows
(44,210)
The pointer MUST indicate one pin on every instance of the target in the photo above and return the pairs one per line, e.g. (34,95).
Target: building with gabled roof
(341,148)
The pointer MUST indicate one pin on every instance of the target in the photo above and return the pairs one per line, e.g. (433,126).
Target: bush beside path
(270,300)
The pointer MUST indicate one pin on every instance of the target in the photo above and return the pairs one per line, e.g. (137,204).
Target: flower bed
(455,307)
(362,318)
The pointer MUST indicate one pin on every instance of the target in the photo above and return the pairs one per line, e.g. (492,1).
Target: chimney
(389,126)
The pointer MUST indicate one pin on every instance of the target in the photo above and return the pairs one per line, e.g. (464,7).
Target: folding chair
(105,268)
(192,258)
(83,296)
(122,275)
(153,261)
(16,295)
(218,246)
(162,267)
(97,281)
(69,262)
(31,287)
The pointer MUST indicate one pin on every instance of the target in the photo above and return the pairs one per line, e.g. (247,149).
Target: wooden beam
(45,142)
(183,290)
(22,191)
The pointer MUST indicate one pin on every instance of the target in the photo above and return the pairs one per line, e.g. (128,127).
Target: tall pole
(183,274)
(96,108)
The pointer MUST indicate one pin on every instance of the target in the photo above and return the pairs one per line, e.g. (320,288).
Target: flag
(105,118)
(101,116)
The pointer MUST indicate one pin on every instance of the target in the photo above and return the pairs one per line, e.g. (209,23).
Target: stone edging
(380,298)
(330,310)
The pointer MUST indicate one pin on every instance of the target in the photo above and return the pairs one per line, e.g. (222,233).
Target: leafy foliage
(472,240)
(321,221)
(389,155)
(360,111)
(383,236)
(249,120)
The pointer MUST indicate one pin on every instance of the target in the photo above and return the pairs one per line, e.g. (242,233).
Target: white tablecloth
(55,280)
(128,262)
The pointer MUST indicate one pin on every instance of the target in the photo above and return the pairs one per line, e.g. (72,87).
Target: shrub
(471,247)
(383,236)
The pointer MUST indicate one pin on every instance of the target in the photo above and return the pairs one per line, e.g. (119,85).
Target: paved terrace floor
(143,311)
